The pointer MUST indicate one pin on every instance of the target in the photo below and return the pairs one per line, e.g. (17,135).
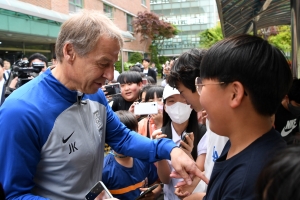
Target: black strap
(148,128)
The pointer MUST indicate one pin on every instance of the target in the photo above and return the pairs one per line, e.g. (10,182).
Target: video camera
(24,72)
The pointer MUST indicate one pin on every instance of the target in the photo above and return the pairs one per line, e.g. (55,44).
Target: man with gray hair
(53,149)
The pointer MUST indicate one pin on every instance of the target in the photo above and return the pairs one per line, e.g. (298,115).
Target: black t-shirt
(119,103)
(236,177)
(286,124)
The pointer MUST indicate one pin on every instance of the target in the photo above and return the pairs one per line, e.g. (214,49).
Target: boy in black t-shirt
(242,82)
(131,83)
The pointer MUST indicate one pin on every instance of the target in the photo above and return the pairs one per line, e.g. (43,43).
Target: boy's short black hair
(38,56)
(128,119)
(1,62)
(146,59)
(186,68)
(294,92)
(260,67)
(129,77)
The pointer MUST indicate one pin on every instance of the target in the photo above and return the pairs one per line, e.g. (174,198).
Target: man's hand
(185,167)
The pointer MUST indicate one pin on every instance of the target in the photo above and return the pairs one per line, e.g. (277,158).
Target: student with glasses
(182,76)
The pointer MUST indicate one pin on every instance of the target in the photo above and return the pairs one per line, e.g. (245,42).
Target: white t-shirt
(116,75)
(215,145)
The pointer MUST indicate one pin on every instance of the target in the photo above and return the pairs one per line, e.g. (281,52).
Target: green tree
(135,57)
(210,36)
(283,39)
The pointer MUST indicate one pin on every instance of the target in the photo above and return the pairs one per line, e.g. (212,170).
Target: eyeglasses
(199,84)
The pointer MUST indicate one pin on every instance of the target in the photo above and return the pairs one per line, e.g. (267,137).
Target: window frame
(76,5)
(128,16)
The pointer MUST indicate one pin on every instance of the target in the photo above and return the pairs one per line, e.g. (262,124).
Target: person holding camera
(53,149)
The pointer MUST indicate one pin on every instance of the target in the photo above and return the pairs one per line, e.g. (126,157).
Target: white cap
(169,91)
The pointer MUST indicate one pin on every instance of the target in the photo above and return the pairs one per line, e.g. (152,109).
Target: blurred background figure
(280,179)
(288,115)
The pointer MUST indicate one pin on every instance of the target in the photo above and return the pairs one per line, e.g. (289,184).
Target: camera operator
(39,59)
(24,70)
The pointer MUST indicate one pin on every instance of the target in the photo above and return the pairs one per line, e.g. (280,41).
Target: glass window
(75,5)
(108,11)
(129,23)
(144,2)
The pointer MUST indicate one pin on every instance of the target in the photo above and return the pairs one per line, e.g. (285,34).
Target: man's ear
(237,94)
(69,53)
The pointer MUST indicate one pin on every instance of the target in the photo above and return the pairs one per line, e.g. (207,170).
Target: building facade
(29,26)
(190,16)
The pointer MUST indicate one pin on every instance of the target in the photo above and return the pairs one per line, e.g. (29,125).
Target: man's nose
(109,73)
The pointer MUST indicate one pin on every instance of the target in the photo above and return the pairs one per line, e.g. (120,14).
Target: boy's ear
(237,94)
(140,84)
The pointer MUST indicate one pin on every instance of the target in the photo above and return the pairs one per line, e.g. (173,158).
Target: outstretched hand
(185,167)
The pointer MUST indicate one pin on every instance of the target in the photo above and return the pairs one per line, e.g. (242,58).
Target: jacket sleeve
(20,147)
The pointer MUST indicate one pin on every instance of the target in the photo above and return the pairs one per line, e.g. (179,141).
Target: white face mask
(179,112)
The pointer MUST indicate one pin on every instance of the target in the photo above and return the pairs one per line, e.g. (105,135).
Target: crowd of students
(234,123)
(234,109)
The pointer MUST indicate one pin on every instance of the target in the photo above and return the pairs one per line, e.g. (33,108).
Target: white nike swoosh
(285,133)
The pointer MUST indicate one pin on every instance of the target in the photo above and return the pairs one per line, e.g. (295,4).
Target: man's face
(88,73)
(145,64)
(39,61)
(6,65)
(191,98)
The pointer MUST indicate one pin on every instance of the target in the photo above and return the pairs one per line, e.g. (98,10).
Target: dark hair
(144,89)
(7,60)
(1,62)
(54,56)
(192,127)
(129,77)
(38,56)
(260,67)
(150,80)
(294,92)
(280,178)
(128,119)
(150,94)
(146,59)
(186,68)
(135,68)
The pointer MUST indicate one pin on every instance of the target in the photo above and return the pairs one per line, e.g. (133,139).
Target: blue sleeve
(130,143)
(20,147)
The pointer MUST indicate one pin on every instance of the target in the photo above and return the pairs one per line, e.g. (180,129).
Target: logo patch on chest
(97,120)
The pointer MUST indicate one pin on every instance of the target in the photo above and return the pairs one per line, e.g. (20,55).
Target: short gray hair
(83,30)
